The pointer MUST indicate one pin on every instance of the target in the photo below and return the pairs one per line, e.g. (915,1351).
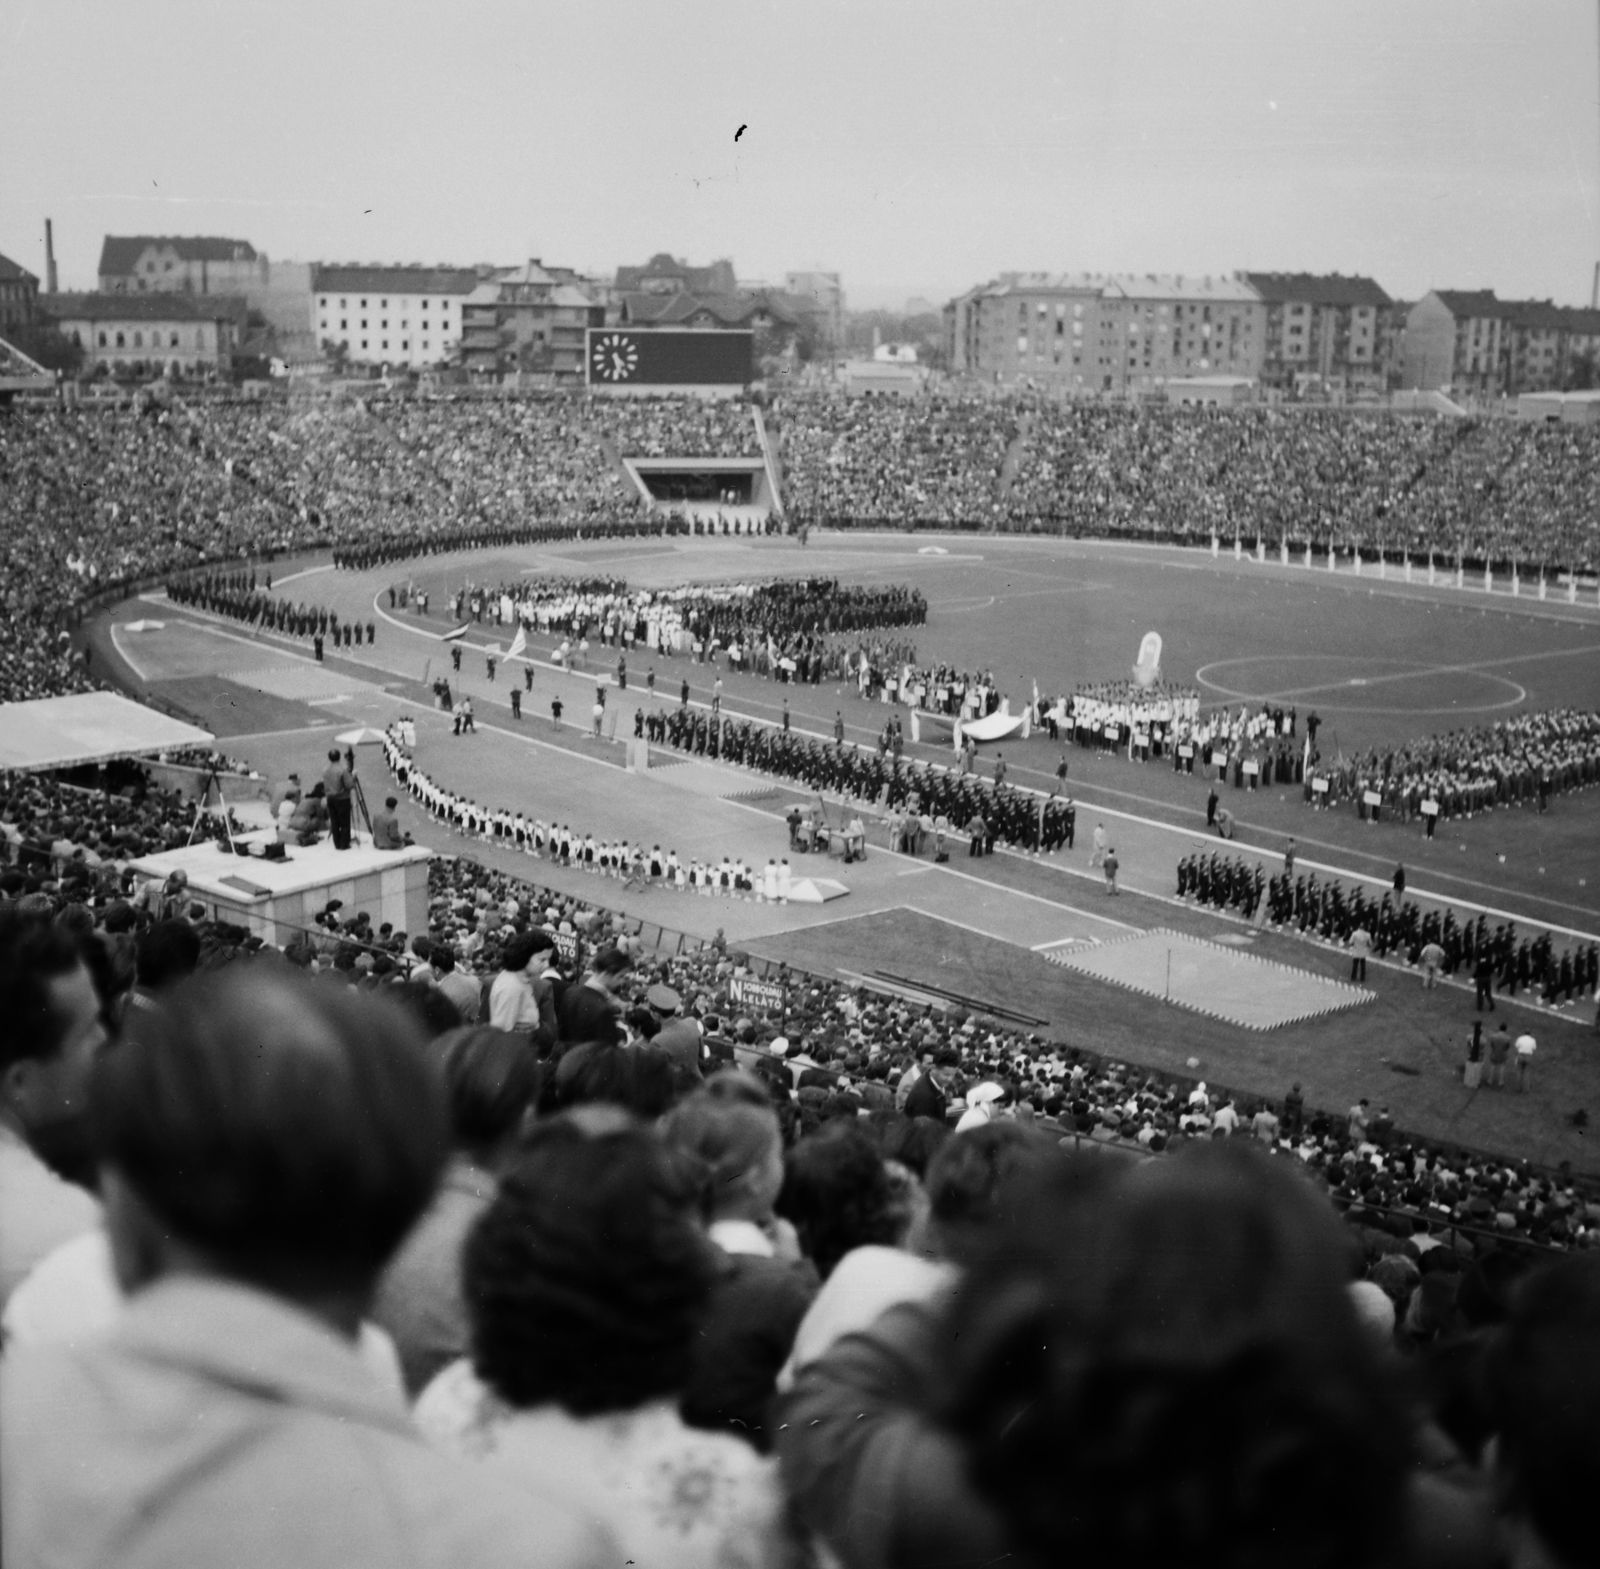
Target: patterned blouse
(672,1496)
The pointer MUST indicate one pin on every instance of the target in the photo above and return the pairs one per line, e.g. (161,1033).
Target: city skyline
(914,150)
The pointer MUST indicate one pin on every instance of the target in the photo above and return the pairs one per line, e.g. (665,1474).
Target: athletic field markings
(127,658)
(295,577)
(966,926)
(1416,672)
(1485,667)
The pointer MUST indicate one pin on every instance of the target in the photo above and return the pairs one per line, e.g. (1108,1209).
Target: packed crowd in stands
(1469,489)
(1523,760)
(887,460)
(95,497)
(84,831)
(428,1247)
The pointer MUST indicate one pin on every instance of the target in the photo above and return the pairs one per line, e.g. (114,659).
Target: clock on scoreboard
(668,357)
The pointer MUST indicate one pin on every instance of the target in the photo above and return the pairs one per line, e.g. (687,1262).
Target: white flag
(519,643)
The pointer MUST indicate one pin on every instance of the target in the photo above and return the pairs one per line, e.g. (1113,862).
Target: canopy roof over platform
(88,727)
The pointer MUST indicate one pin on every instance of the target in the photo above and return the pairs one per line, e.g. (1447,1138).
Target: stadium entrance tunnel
(701,485)
(703,482)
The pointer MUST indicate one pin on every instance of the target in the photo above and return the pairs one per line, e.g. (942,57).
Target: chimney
(49,258)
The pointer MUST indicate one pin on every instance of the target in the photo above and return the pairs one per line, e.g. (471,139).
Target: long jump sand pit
(1256,994)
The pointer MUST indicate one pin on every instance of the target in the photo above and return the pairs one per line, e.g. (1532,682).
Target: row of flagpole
(1409,570)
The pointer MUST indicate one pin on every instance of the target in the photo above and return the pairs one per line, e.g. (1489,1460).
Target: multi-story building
(1476,345)
(19,296)
(182,333)
(391,316)
(666,292)
(530,320)
(1104,332)
(1324,329)
(180,264)
(1027,327)
(1154,326)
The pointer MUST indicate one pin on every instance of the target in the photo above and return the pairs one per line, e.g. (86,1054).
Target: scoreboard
(667,357)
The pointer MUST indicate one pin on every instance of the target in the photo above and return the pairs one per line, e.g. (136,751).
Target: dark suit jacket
(587,1014)
(926,1099)
(745,1337)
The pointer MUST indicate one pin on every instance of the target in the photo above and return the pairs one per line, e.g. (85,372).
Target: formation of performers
(1527,758)
(238,596)
(979,808)
(1496,956)
(626,525)
(563,845)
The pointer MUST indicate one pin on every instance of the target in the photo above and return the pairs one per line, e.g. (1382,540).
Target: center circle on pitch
(1369,684)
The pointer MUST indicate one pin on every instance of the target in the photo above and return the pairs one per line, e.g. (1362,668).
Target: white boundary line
(965,926)
(127,658)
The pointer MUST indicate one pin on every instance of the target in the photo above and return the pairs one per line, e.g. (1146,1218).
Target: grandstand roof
(394,280)
(87,727)
(1308,288)
(118,252)
(144,307)
(12,272)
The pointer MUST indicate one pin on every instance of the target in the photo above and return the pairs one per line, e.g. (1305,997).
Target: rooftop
(1308,288)
(392,280)
(11,272)
(119,252)
(144,307)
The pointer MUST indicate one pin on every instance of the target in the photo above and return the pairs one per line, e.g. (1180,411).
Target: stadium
(840,724)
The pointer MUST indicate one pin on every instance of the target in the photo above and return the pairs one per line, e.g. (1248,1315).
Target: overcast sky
(916,148)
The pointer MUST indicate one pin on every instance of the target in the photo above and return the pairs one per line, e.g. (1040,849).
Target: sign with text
(567,946)
(748,992)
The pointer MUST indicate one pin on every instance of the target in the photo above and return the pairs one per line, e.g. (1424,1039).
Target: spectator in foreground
(1146,1365)
(50,1032)
(492,1083)
(587,1281)
(1544,1379)
(758,1295)
(265,1146)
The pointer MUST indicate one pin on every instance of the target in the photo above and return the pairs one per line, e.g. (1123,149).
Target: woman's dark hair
(1158,1364)
(587,1277)
(429,1006)
(520,949)
(726,1137)
(167,953)
(968,1175)
(640,1078)
(492,1078)
(294,1132)
(1543,1380)
(914,1141)
(837,1194)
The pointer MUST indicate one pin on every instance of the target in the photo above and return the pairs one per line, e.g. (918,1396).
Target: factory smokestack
(49,258)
